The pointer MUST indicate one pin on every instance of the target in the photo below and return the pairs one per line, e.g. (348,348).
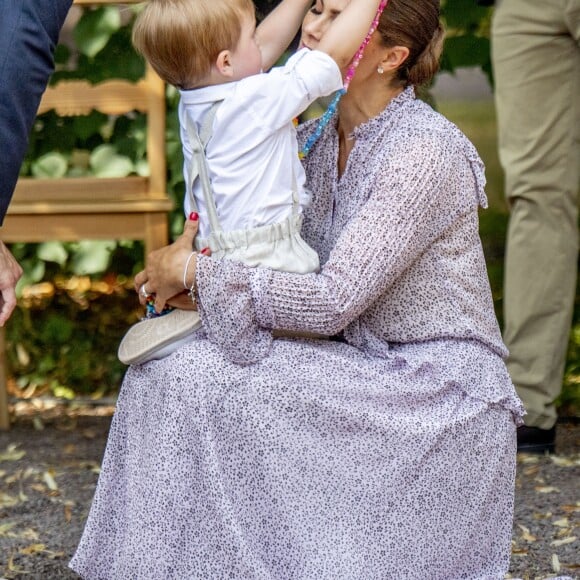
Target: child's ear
(394,58)
(224,64)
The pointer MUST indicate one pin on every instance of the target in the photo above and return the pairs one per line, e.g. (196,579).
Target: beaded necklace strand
(325,119)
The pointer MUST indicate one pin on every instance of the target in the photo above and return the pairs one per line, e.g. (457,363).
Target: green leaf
(117,59)
(106,162)
(142,168)
(463,14)
(466,51)
(51,165)
(52,251)
(63,392)
(61,54)
(92,256)
(34,270)
(95,28)
(86,126)
(57,329)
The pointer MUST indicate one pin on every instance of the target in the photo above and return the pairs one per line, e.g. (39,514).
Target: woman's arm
(348,30)
(415,198)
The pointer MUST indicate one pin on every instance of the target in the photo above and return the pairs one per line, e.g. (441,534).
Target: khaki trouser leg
(536,58)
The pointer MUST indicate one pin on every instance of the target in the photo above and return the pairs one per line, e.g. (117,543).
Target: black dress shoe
(536,440)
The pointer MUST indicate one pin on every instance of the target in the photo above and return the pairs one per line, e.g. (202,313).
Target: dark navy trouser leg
(29,32)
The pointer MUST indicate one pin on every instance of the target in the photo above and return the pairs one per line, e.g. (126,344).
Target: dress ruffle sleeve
(228,311)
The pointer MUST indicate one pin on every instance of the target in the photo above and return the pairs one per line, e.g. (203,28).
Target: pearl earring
(380,70)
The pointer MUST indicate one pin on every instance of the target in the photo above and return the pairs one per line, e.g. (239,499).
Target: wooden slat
(80,207)
(85,226)
(71,188)
(70,98)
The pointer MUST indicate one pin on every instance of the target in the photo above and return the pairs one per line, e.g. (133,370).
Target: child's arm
(348,30)
(278,29)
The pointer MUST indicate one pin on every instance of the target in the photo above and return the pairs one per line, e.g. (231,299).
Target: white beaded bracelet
(185,285)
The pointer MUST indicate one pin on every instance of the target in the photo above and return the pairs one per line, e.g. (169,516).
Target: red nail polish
(193,216)
(204,251)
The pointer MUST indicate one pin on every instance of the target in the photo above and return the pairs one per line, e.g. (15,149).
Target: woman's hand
(182,301)
(164,270)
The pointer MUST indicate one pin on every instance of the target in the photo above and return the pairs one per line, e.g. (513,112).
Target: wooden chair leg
(156,232)
(4,416)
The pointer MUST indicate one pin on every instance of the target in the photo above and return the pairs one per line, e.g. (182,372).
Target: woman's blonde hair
(182,39)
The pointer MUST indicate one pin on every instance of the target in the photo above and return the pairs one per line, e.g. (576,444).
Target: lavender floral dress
(388,456)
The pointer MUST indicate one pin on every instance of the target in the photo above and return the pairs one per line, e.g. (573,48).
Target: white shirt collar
(208,94)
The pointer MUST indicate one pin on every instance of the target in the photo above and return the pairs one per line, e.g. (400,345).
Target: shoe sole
(156,338)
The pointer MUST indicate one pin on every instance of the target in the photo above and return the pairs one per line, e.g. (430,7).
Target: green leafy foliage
(95,29)
(63,338)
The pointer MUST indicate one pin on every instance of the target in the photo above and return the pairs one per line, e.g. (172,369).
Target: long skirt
(319,462)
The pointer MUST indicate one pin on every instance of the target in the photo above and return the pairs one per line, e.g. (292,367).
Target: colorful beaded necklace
(325,119)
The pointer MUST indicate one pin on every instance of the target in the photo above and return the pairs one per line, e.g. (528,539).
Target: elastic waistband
(270,233)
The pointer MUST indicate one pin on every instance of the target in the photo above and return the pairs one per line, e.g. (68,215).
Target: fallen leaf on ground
(526,458)
(547,489)
(526,534)
(532,470)
(48,477)
(571,508)
(12,453)
(565,532)
(28,534)
(569,540)
(8,500)
(33,549)
(67,513)
(38,487)
(565,461)
(13,568)
(4,528)
(28,472)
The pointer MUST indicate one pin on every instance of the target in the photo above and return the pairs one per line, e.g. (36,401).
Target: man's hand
(10,273)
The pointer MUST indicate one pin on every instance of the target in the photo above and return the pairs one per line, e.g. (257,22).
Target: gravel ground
(49,464)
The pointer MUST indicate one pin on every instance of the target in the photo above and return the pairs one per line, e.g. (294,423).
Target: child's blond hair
(182,39)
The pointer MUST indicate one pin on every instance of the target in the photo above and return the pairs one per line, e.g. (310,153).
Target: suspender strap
(199,168)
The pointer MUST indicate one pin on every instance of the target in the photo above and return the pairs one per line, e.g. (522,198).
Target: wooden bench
(72,209)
